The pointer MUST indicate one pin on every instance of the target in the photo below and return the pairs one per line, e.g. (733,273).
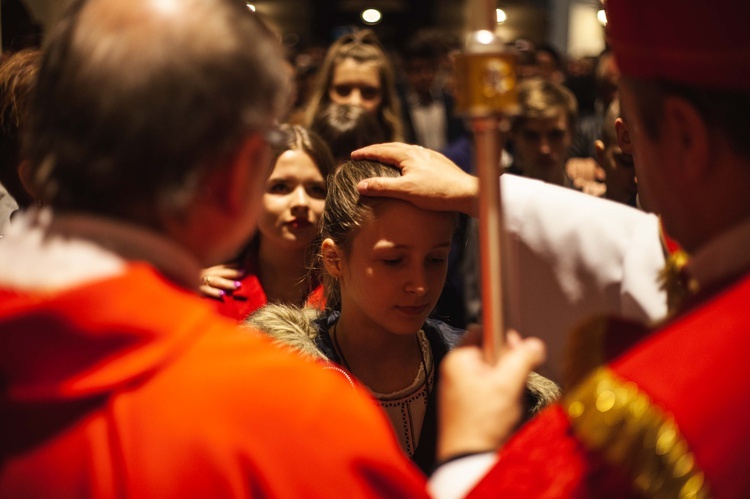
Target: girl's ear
(331,257)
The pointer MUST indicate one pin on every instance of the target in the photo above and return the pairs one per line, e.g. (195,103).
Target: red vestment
(132,386)
(667,415)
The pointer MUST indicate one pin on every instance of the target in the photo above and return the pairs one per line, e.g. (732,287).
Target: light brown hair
(362,46)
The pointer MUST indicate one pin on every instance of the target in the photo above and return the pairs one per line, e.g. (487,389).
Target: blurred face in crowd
(542,147)
(421,73)
(357,84)
(547,67)
(293,201)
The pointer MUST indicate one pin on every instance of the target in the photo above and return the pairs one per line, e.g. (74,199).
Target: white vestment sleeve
(455,479)
(574,256)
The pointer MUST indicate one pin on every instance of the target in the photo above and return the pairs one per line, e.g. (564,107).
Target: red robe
(130,386)
(667,415)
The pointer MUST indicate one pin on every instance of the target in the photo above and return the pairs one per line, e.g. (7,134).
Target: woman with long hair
(274,265)
(356,71)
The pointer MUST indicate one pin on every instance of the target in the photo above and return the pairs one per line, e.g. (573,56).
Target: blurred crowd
(230,268)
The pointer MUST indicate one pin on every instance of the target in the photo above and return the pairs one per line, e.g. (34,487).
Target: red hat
(694,42)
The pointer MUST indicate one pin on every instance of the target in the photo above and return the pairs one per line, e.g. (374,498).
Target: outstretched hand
(481,404)
(429,180)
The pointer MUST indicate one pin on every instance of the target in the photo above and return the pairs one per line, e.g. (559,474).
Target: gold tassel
(676,282)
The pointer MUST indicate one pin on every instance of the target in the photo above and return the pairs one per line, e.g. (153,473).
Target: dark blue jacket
(442,338)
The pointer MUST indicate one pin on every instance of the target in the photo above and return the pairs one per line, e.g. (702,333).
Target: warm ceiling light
(372,16)
(484,36)
(501,16)
(251,7)
(602,16)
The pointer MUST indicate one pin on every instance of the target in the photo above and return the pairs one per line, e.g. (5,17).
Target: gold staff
(486,83)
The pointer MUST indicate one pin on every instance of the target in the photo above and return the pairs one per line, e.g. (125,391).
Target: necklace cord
(340,352)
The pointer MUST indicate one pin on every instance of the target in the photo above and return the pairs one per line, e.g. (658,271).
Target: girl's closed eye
(438,257)
(437,260)
(393,261)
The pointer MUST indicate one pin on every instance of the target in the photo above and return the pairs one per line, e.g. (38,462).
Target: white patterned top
(406,407)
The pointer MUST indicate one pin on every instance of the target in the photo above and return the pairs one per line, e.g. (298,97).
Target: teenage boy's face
(542,146)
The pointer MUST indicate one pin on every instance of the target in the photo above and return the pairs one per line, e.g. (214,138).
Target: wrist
(449,449)
(456,457)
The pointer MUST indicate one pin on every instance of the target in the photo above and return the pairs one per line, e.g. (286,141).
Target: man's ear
(623,136)
(332,256)
(222,214)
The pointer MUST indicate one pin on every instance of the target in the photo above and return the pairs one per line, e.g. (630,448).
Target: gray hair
(133,106)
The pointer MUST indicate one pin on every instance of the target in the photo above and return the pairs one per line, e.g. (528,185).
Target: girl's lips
(419,309)
(299,224)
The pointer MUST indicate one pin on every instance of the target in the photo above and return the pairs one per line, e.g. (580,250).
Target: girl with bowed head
(274,265)
(357,72)
(383,263)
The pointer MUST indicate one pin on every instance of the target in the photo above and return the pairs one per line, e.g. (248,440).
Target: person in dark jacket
(383,263)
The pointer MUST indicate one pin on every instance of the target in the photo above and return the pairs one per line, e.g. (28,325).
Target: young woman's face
(394,272)
(357,84)
(293,202)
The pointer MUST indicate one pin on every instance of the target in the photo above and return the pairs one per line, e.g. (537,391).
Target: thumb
(523,356)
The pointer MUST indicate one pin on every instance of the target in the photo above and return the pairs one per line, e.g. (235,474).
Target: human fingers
(517,357)
(520,356)
(390,187)
(212,292)
(393,153)
(593,188)
(474,336)
(220,283)
(480,403)
(430,181)
(227,272)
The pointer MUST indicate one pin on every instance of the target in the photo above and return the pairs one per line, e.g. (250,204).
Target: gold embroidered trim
(585,350)
(615,418)
(675,281)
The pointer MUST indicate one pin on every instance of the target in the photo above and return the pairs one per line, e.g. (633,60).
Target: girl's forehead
(403,224)
(296,163)
(350,65)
